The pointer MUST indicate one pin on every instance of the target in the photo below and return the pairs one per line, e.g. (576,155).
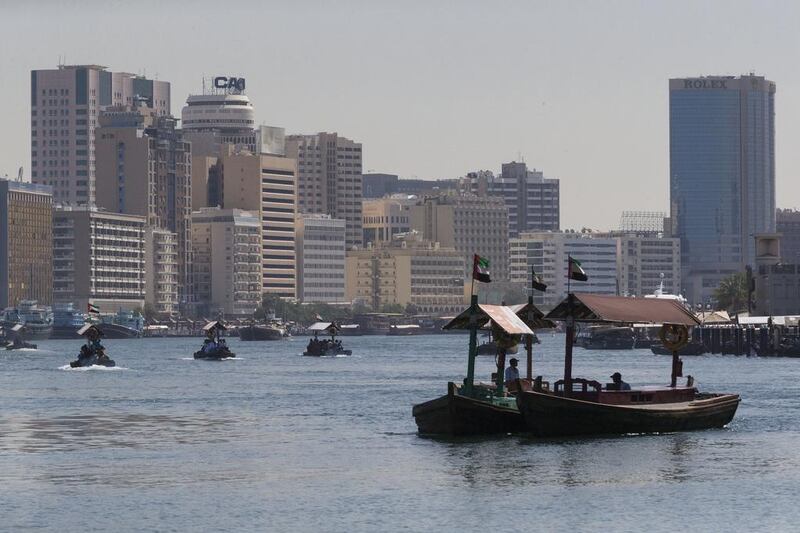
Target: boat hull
(328,353)
(92,360)
(258,333)
(216,355)
(456,415)
(550,415)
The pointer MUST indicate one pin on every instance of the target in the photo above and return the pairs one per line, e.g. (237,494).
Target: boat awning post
(529,340)
(570,320)
(473,343)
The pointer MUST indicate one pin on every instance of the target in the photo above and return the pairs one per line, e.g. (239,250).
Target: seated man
(618,383)
(512,372)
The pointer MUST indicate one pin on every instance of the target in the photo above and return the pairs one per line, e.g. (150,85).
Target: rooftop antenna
(19,174)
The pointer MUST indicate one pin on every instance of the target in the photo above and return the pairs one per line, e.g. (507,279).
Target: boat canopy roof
(714,317)
(17,327)
(86,327)
(214,324)
(503,316)
(622,310)
(532,316)
(330,327)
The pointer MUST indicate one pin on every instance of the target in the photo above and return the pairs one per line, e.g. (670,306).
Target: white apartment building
(98,258)
(647,260)
(547,252)
(320,242)
(227,261)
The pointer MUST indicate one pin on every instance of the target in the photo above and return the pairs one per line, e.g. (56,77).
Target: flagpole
(569,263)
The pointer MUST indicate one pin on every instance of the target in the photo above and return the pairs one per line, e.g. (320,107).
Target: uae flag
(480,269)
(575,270)
(536,282)
(93,309)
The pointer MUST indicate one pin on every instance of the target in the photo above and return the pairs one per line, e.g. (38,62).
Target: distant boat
(261,332)
(67,321)
(37,319)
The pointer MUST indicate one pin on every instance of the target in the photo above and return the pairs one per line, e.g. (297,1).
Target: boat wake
(93,367)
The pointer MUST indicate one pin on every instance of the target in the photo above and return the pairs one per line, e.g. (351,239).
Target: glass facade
(722,178)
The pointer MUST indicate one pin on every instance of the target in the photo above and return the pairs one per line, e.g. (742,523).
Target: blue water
(280,442)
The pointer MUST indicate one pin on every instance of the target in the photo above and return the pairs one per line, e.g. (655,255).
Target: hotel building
(161,270)
(65,105)
(26,243)
(383,218)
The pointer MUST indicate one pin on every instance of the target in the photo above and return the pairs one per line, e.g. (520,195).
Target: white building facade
(320,242)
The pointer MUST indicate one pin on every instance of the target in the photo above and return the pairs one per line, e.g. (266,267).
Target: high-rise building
(407,270)
(533,201)
(65,105)
(264,185)
(161,270)
(385,217)
(722,175)
(377,185)
(227,264)
(144,167)
(329,178)
(547,253)
(26,243)
(320,258)
(226,116)
(471,224)
(98,258)
(788,226)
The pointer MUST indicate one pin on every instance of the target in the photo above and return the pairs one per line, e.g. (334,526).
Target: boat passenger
(512,372)
(618,383)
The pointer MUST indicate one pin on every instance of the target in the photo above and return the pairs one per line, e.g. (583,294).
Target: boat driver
(512,372)
(618,383)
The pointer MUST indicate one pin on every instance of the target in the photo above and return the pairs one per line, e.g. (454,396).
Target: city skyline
(463,88)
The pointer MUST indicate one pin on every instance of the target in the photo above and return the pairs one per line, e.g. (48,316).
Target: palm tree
(732,293)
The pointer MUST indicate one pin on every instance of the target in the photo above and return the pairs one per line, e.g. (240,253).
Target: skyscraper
(722,175)
(329,178)
(65,105)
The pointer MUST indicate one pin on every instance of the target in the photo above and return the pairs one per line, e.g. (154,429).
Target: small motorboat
(214,346)
(325,347)
(92,353)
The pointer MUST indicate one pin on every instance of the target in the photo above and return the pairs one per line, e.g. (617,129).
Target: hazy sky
(437,89)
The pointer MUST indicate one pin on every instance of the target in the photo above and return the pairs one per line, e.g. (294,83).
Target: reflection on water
(79,432)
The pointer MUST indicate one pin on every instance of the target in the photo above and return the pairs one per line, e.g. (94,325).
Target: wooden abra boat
(578,406)
(478,408)
(325,347)
(214,346)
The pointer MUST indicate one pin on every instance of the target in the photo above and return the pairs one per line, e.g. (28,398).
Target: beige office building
(385,217)
(471,224)
(144,168)
(98,258)
(26,243)
(647,263)
(320,258)
(264,185)
(407,270)
(65,105)
(227,266)
(329,169)
(161,270)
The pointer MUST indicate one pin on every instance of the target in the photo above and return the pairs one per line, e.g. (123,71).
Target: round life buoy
(674,336)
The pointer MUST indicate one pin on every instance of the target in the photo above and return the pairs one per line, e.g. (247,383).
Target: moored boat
(592,409)
(261,332)
(15,339)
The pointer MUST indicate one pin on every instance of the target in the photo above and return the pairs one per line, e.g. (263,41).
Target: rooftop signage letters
(705,84)
(222,82)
